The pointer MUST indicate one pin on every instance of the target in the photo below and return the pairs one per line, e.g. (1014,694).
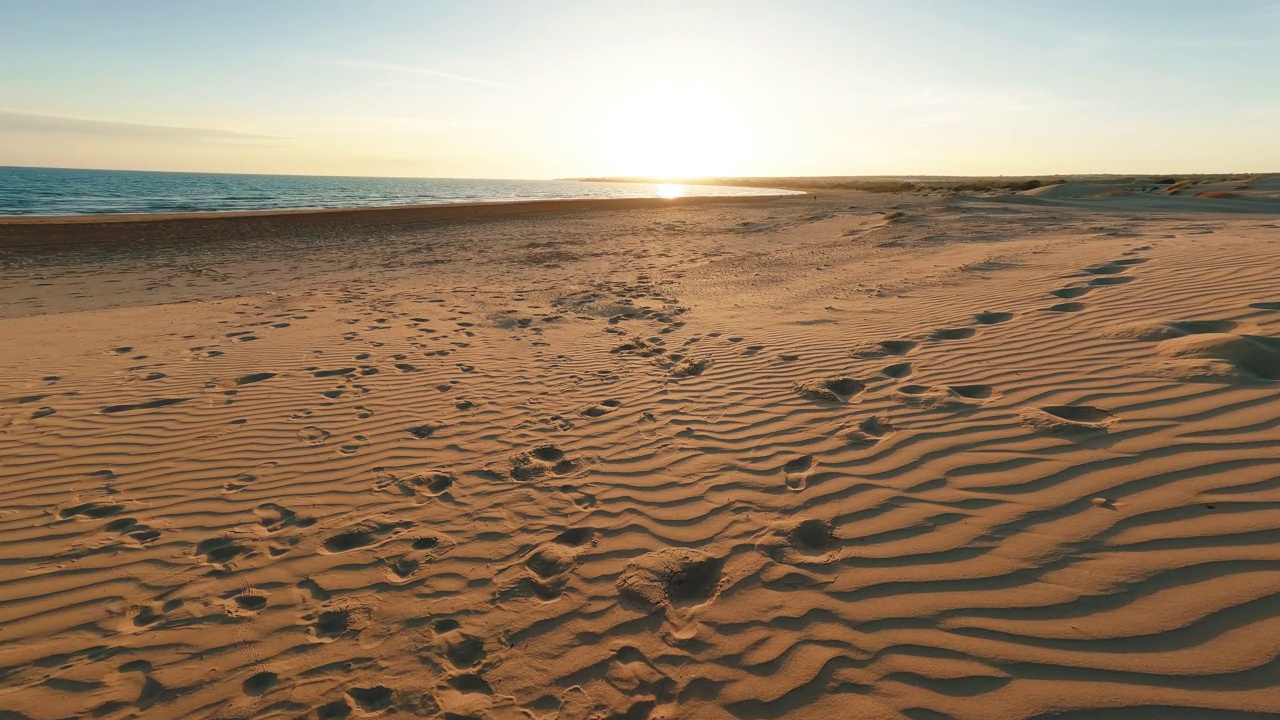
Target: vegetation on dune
(875,186)
(946,184)
(1014,185)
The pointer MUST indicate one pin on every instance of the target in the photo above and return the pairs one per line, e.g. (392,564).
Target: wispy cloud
(13,120)
(952,106)
(1104,41)
(364,122)
(409,70)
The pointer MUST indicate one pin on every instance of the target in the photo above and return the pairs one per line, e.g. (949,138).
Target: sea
(61,191)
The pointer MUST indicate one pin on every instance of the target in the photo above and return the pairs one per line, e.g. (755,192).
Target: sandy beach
(864,455)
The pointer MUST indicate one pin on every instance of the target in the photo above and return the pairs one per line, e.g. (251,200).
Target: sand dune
(995,459)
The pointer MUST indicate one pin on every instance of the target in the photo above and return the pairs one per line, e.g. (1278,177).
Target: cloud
(37,122)
(410,70)
(933,106)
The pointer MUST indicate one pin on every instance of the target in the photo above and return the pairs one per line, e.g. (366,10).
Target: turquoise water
(55,191)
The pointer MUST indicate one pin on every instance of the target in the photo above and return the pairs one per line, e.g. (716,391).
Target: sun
(671,132)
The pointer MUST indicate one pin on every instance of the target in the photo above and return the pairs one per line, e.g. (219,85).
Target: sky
(579,88)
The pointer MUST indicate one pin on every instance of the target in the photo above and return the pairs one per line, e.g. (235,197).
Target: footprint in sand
(463,650)
(313,435)
(259,684)
(275,518)
(343,371)
(253,378)
(403,567)
(548,568)
(603,408)
(972,392)
(369,533)
(897,370)
(796,472)
(1265,305)
(1107,269)
(1113,280)
(221,551)
(424,431)
(336,710)
(541,460)
(327,625)
(670,577)
(1068,418)
(133,530)
(358,442)
(992,318)
(91,511)
(426,485)
(803,542)
(141,618)
(886,348)
(869,431)
(245,601)
(837,389)
(689,367)
(813,537)
(1068,293)
(953,333)
(580,499)
(1068,307)
(147,405)
(373,699)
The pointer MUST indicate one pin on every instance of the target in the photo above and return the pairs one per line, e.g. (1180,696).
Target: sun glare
(673,132)
(670,190)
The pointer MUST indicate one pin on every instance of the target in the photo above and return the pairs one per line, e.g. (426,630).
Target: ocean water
(56,191)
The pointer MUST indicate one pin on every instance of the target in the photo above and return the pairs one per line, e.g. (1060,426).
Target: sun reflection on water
(670,190)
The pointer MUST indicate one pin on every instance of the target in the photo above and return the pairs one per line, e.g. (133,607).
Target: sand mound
(1070,190)
(954,397)
(1156,332)
(1224,356)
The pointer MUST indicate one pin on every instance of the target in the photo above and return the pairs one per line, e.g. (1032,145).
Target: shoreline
(42,230)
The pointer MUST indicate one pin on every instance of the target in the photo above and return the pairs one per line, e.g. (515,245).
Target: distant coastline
(28,191)
(932,183)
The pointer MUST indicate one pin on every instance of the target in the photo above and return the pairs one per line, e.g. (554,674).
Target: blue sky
(703,87)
